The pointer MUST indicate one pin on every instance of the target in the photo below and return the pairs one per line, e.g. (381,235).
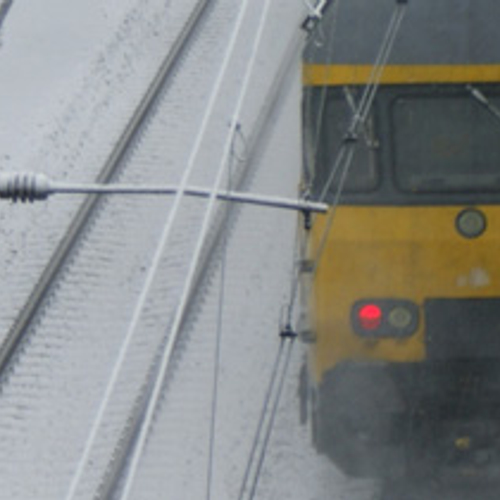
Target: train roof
(433,32)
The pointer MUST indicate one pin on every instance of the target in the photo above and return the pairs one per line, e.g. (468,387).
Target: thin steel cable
(295,275)
(262,418)
(346,153)
(216,373)
(359,119)
(319,119)
(365,104)
(324,89)
(378,67)
(391,38)
(175,329)
(218,344)
(274,411)
(331,214)
(154,266)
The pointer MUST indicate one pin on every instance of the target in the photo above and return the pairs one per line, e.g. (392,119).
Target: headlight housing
(374,318)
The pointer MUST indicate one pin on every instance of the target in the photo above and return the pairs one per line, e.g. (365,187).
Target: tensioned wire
(209,212)
(318,39)
(260,426)
(260,443)
(149,282)
(280,367)
(368,96)
(300,243)
(274,411)
(347,149)
(237,130)
(216,364)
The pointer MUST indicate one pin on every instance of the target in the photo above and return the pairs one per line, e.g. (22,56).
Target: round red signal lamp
(370,316)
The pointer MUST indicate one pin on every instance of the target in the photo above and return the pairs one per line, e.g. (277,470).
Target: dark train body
(404,272)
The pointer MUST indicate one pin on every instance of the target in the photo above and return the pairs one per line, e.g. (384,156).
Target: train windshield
(329,126)
(446,142)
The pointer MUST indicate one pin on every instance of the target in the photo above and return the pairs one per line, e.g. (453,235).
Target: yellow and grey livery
(405,302)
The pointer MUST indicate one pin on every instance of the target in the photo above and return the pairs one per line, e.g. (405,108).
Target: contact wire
(153,270)
(359,118)
(262,418)
(274,411)
(179,316)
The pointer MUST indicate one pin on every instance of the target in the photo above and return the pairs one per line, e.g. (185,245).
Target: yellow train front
(404,366)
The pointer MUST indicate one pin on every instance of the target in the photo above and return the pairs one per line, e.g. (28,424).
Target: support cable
(319,120)
(216,373)
(218,341)
(347,150)
(318,12)
(77,477)
(291,341)
(365,104)
(267,417)
(484,101)
(182,307)
(262,418)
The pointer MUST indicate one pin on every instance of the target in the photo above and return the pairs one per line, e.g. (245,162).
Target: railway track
(16,352)
(66,339)
(112,166)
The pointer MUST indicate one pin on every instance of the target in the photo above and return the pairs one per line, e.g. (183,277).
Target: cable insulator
(24,187)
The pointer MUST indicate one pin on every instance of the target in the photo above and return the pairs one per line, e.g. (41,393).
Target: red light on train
(370,316)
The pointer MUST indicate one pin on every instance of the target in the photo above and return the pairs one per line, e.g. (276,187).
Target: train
(401,278)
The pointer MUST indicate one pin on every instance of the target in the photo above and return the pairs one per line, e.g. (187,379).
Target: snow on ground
(64,123)
(67,74)
(47,49)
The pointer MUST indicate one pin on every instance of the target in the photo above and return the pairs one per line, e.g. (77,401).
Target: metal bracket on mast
(32,187)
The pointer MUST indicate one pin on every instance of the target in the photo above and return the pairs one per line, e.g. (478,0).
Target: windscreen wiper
(482,99)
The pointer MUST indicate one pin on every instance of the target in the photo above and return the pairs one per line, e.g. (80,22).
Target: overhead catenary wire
(274,391)
(347,149)
(216,373)
(364,106)
(180,312)
(319,119)
(274,410)
(299,242)
(267,417)
(90,442)
(218,337)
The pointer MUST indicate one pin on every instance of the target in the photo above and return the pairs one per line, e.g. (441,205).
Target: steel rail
(61,254)
(260,133)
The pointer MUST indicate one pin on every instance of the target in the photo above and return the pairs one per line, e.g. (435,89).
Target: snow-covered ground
(70,74)
(47,51)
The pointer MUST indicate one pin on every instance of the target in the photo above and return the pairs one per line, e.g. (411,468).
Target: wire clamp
(287,332)
(316,14)
(350,138)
